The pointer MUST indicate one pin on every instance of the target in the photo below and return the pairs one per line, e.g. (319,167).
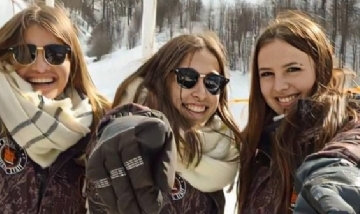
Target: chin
(200,123)
(50,95)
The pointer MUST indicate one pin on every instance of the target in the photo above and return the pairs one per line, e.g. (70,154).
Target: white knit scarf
(43,127)
(217,168)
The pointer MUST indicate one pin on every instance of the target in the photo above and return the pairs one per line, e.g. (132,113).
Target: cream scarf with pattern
(43,127)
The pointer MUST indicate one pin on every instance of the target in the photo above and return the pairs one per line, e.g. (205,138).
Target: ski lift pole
(148,27)
(50,3)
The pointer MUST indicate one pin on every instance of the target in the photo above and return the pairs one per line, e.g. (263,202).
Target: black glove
(334,188)
(133,160)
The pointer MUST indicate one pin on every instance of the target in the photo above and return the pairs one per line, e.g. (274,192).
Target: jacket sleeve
(94,203)
(329,181)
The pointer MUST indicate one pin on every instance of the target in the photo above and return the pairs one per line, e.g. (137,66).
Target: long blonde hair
(54,20)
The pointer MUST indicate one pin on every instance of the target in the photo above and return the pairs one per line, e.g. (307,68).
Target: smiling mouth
(288,100)
(41,81)
(196,108)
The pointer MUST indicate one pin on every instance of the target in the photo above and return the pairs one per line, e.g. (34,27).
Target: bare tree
(166,10)
(334,22)
(237,24)
(210,16)
(100,42)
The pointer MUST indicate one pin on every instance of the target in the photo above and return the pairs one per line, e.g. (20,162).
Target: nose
(40,65)
(281,83)
(200,91)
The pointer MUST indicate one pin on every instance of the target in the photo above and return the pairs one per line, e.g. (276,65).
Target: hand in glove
(133,160)
(334,188)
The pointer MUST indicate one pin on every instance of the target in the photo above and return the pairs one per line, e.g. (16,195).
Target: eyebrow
(291,63)
(214,72)
(284,66)
(211,72)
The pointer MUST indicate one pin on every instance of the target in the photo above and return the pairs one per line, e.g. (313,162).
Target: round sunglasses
(54,54)
(188,77)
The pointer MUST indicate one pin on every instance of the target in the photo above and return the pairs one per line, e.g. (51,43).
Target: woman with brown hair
(301,146)
(48,109)
(186,81)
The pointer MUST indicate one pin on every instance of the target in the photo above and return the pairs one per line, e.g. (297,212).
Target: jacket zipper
(53,170)
(47,180)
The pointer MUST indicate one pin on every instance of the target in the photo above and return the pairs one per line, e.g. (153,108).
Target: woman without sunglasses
(49,107)
(301,150)
(186,81)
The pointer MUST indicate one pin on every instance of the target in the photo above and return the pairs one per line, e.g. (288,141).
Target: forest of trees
(238,24)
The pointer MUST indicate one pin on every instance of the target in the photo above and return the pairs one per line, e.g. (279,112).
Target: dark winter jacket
(332,170)
(184,200)
(26,188)
(329,181)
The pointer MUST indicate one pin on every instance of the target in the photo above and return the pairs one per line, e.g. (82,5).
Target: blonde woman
(48,110)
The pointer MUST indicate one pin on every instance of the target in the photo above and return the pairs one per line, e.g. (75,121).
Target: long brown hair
(156,72)
(54,20)
(326,103)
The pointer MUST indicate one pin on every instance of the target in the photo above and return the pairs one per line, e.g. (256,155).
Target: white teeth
(287,99)
(196,108)
(41,80)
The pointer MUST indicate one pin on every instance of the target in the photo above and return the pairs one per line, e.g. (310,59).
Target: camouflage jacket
(26,188)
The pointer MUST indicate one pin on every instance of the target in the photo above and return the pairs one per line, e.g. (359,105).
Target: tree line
(117,23)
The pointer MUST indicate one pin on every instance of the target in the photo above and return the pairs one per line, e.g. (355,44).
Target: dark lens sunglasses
(54,54)
(188,77)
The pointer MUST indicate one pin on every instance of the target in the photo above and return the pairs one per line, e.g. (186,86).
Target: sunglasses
(188,77)
(54,54)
